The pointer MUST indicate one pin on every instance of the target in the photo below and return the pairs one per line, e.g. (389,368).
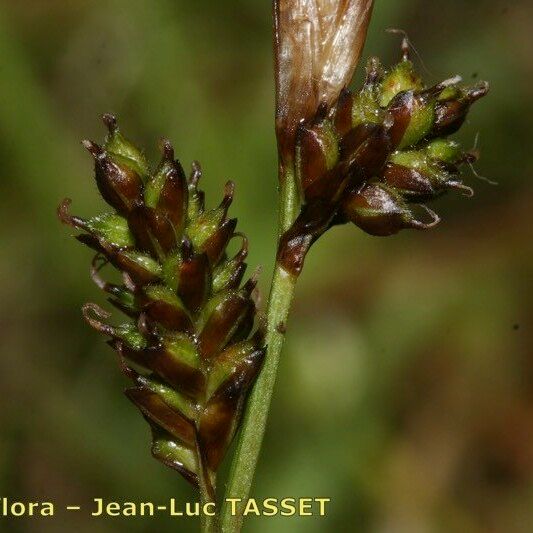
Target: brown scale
(451,114)
(120,186)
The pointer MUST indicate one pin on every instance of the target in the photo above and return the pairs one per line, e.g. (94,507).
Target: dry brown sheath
(317,47)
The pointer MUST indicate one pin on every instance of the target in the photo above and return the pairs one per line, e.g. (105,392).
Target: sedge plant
(201,362)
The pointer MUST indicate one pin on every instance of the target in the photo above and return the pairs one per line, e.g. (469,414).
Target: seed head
(187,341)
(372,157)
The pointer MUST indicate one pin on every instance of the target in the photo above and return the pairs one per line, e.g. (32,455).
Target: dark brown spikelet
(374,157)
(187,343)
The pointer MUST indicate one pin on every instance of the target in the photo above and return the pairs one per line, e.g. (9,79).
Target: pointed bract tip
(229,191)
(187,249)
(92,313)
(94,149)
(262,326)
(242,254)
(196,173)
(111,122)
(454,80)
(66,218)
(478,91)
(465,189)
(167,149)
(373,67)
(250,285)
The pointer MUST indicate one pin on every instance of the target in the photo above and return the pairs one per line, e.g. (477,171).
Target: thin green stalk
(208,523)
(255,418)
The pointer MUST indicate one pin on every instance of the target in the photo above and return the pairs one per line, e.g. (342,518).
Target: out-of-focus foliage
(406,386)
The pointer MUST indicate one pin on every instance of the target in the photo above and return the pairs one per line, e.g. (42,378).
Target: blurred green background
(406,386)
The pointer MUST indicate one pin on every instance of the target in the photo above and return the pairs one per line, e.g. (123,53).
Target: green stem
(208,523)
(255,418)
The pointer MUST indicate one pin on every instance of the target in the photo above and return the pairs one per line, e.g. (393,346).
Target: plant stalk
(208,523)
(255,418)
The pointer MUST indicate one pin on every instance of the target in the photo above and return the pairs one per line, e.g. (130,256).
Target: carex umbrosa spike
(188,342)
(376,156)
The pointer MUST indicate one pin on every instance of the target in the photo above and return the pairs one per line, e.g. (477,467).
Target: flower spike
(189,327)
(366,156)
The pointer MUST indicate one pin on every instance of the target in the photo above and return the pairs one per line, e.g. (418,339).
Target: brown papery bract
(317,47)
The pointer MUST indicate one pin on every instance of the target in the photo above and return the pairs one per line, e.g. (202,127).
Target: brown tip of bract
(478,91)
(242,254)
(261,331)
(167,150)
(92,313)
(187,248)
(251,284)
(63,211)
(66,218)
(196,173)
(229,191)
(94,149)
(467,191)
(110,122)
(373,71)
